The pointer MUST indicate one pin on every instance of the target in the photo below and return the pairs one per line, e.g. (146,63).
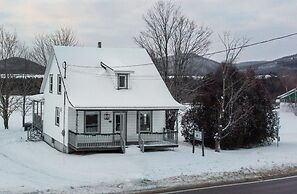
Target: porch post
(37,107)
(41,104)
(137,126)
(176,125)
(176,120)
(33,112)
(76,121)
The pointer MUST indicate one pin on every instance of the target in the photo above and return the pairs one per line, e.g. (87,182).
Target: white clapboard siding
(107,125)
(71,119)
(132,135)
(158,121)
(80,121)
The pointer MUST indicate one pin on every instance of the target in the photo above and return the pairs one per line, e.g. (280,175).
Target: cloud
(115,22)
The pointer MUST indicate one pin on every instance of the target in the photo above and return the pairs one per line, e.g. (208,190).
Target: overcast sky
(116,22)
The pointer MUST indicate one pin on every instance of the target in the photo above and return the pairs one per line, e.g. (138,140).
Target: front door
(120,124)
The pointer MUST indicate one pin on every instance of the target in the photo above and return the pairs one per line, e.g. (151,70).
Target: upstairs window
(59,84)
(122,81)
(51,83)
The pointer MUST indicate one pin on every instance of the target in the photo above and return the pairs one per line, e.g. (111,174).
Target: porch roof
(128,108)
(37,97)
(90,86)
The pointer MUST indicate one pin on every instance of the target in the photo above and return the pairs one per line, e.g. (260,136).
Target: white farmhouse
(103,99)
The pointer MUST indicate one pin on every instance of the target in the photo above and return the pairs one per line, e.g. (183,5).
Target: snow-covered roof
(37,97)
(89,85)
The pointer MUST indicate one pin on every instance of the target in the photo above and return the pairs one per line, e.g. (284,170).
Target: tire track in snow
(37,171)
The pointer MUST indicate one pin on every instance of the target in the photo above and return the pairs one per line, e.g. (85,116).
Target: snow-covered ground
(28,166)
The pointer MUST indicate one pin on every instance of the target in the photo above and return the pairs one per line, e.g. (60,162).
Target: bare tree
(26,86)
(43,44)
(65,36)
(232,89)
(9,47)
(41,49)
(171,39)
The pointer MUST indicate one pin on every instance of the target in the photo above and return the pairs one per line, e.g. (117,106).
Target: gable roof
(90,86)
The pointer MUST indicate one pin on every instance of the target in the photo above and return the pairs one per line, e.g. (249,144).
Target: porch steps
(34,134)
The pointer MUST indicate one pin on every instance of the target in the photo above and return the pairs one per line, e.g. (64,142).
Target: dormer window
(122,81)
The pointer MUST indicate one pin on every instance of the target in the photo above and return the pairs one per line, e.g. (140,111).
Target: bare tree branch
(171,39)
(43,44)
(9,47)
(232,89)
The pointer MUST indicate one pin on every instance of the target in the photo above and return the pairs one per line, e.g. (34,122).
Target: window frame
(139,120)
(98,113)
(51,83)
(57,116)
(126,76)
(59,84)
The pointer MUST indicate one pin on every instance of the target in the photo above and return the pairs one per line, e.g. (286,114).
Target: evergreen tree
(256,128)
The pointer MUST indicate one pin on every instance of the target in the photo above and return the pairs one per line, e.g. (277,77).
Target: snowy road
(28,166)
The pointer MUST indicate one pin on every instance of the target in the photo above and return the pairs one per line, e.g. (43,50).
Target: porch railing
(82,141)
(167,138)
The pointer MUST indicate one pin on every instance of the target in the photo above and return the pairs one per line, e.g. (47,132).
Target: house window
(57,116)
(122,81)
(51,83)
(92,122)
(145,121)
(59,84)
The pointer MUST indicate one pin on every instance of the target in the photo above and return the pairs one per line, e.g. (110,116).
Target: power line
(134,77)
(85,66)
(143,64)
(207,54)
(118,66)
(252,44)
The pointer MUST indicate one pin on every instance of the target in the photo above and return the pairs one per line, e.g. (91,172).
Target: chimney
(99,44)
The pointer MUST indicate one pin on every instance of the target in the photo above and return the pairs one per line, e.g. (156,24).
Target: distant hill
(17,65)
(200,66)
(288,63)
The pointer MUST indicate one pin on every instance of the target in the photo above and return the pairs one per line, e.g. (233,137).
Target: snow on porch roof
(91,86)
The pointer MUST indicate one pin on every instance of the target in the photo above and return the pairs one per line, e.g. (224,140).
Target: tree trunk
(24,110)
(5,118)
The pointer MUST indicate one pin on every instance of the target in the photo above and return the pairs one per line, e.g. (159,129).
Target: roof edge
(47,70)
(132,108)
(287,93)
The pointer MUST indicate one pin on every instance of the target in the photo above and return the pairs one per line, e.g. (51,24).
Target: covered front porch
(35,129)
(96,142)
(113,130)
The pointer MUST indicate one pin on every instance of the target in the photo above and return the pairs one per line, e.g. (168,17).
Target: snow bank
(27,166)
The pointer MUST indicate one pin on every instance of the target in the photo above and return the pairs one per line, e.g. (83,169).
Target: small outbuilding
(289,97)
(289,100)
